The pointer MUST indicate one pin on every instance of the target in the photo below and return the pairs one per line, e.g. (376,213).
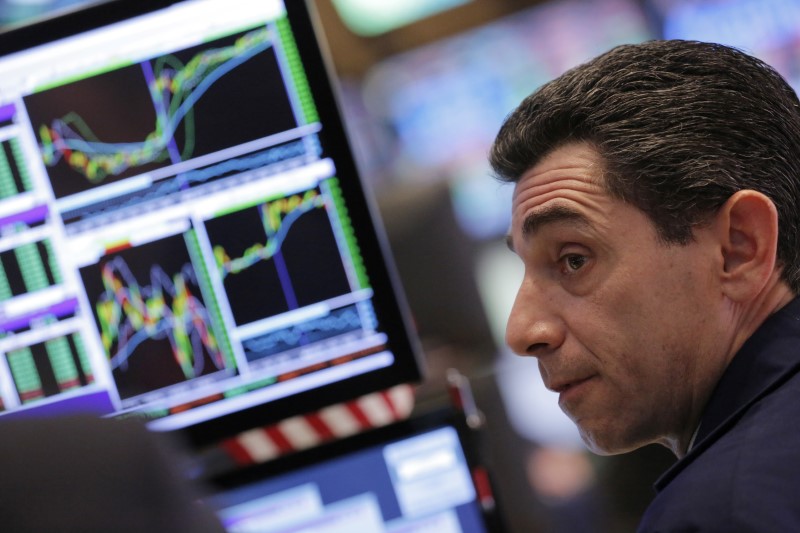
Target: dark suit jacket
(83,474)
(743,473)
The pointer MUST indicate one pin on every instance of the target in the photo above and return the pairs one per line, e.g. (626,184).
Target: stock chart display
(173,235)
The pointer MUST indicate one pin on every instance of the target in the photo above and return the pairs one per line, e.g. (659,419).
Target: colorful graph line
(276,217)
(130,314)
(174,89)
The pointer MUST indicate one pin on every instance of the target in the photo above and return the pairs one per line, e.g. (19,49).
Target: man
(656,210)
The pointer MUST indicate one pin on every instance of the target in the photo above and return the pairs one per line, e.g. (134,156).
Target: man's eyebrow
(551,214)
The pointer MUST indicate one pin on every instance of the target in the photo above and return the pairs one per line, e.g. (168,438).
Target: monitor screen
(183,233)
(416,476)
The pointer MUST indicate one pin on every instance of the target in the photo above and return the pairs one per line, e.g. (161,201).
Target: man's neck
(748,318)
(743,321)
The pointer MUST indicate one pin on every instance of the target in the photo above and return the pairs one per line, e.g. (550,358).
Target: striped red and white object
(334,422)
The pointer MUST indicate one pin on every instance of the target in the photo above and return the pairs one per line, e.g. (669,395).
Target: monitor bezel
(388,297)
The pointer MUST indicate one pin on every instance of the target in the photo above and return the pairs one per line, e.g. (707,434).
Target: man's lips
(562,386)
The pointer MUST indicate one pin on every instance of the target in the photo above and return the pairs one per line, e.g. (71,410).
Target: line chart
(277,218)
(153,322)
(174,88)
(339,321)
(296,262)
(167,308)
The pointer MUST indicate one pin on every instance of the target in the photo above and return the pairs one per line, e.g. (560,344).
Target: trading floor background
(424,87)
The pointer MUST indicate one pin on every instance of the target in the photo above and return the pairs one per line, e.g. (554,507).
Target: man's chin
(601,443)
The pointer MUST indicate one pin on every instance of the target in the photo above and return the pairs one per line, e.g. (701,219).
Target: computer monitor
(183,233)
(423,474)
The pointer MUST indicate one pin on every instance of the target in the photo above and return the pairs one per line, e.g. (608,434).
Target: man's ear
(748,230)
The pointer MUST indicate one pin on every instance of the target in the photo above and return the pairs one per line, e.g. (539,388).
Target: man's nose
(535,326)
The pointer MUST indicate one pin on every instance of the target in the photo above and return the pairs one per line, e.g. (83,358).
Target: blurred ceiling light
(370,18)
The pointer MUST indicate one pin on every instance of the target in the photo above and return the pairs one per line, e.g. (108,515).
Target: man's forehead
(564,186)
(575,166)
(565,193)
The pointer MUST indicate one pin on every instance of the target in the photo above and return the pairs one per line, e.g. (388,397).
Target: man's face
(625,327)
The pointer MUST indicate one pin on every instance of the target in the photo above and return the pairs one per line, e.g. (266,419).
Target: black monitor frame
(388,299)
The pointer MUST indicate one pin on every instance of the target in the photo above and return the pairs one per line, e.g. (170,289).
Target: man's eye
(573,262)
